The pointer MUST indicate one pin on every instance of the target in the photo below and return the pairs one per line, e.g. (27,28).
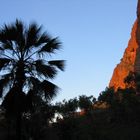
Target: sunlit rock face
(131,57)
(127,63)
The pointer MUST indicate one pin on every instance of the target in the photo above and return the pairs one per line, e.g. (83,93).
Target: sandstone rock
(131,58)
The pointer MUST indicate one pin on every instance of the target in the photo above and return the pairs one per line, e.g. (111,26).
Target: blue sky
(94,34)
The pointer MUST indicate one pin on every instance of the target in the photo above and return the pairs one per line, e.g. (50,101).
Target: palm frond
(58,63)
(7,49)
(34,82)
(4,81)
(1,87)
(20,38)
(3,62)
(45,70)
(32,35)
(50,90)
(13,32)
(8,33)
(44,38)
(1,49)
(51,46)
(45,88)
(7,45)
(19,25)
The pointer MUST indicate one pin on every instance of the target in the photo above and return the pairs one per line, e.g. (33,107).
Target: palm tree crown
(24,67)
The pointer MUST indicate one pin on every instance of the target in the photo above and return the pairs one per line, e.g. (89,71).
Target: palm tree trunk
(20,81)
(18,127)
(8,130)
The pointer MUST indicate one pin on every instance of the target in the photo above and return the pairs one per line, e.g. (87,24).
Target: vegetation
(26,111)
(25,69)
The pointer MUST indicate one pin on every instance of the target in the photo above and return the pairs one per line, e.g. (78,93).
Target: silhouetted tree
(67,108)
(25,69)
(133,81)
(107,95)
(37,122)
(86,103)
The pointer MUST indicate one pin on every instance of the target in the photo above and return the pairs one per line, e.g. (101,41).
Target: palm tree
(24,66)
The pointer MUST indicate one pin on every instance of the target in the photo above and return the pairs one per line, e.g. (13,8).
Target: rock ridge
(131,58)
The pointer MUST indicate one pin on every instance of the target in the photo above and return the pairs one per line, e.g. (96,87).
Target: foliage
(86,103)
(67,108)
(27,90)
(25,68)
(133,81)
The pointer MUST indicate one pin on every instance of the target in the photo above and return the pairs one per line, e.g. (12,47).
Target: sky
(94,35)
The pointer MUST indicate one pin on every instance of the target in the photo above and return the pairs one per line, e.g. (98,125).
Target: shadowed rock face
(131,57)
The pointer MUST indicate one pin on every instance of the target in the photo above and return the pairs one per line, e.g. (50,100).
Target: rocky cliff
(131,57)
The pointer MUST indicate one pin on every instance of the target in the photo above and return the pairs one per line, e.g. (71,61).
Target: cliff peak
(131,58)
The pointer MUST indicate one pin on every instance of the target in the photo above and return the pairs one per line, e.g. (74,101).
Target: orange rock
(131,57)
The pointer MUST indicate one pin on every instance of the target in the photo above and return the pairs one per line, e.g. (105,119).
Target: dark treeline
(115,115)
(27,112)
